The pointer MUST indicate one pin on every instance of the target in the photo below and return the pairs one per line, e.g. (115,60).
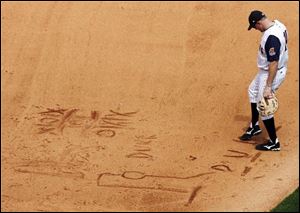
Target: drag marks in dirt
(142,181)
(246,170)
(142,147)
(254,158)
(74,162)
(55,121)
(79,155)
(82,162)
(137,180)
(221,167)
(49,168)
(239,154)
(193,195)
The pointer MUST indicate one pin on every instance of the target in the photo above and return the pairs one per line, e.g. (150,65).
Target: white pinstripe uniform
(256,88)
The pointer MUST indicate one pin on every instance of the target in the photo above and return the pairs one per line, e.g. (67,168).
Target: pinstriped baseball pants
(257,86)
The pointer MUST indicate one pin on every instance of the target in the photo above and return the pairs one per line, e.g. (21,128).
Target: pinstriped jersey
(273,47)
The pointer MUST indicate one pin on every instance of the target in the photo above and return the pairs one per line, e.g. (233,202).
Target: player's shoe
(269,146)
(250,133)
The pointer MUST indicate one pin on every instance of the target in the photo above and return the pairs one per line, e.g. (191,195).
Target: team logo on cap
(272,51)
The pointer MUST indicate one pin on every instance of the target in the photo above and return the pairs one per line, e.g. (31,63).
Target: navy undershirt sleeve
(272,48)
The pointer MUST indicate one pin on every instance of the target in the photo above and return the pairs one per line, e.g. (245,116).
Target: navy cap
(254,17)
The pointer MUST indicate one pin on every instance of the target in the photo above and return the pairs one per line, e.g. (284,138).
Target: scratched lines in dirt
(221,167)
(239,154)
(142,181)
(55,121)
(194,193)
(50,168)
(81,155)
(74,162)
(142,147)
(247,169)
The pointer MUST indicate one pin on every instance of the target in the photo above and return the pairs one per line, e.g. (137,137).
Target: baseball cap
(254,17)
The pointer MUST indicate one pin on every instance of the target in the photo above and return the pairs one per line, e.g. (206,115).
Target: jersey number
(286,39)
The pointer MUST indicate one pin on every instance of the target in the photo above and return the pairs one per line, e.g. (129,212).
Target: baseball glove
(267,106)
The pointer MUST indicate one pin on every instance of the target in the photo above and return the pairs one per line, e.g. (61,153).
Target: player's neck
(268,25)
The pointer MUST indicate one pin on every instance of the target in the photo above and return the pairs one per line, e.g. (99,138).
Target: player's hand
(268,92)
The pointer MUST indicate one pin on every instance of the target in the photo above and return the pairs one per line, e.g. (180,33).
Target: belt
(277,69)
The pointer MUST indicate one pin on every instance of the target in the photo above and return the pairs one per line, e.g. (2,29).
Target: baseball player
(272,67)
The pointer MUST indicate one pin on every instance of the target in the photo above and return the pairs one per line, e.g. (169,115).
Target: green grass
(289,204)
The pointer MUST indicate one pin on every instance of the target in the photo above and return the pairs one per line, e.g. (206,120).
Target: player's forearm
(273,66)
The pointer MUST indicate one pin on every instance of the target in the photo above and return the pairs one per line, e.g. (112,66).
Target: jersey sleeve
(272,48)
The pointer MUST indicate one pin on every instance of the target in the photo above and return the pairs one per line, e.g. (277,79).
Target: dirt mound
(137,106)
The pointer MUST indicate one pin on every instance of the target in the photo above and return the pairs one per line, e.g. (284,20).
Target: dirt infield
(137,106)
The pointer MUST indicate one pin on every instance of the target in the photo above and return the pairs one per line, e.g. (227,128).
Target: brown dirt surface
(137,106)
